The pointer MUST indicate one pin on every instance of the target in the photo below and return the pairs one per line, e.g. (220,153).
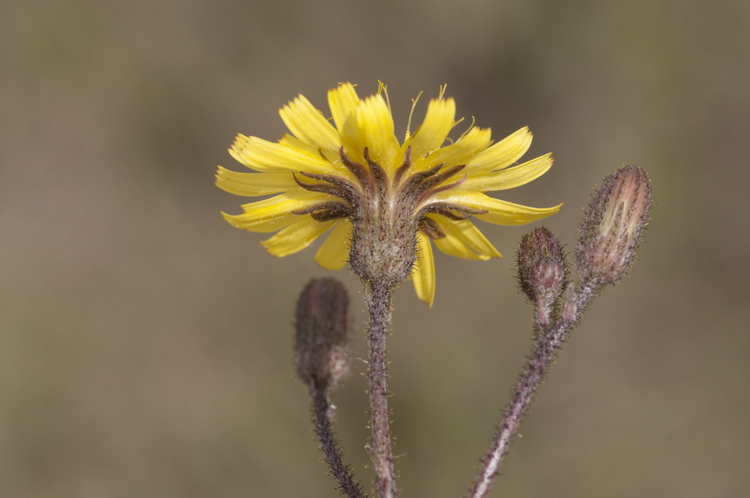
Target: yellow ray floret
(509,177)
(434,130)
(334,253)
(502,154)
(424,270)
(500,212)
(343,101)
(308,124)
(261,216)
(268,157)
(298,235)
(374,130)
(474,141)
(254,184)
(462,234)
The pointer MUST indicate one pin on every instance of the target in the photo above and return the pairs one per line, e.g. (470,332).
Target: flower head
(383,201)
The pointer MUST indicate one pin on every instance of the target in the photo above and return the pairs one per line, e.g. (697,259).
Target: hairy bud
(323,322)
(540,262)
(613,226)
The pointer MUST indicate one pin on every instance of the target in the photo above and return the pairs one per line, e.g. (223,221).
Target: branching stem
(547,342)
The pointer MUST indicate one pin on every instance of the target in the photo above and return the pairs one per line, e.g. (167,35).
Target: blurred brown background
(145,343)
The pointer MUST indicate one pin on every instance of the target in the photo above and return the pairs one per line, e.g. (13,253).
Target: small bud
(541,267)
(323,322)
(613,226)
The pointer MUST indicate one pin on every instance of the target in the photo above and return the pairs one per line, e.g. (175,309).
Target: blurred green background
(145,344)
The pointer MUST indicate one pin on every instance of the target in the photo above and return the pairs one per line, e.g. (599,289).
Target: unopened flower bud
(323,322)
(613,226)
(542,273)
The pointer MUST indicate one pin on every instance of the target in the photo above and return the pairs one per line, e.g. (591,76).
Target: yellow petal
(334,253)
(500,212)
(250,184)
(510,177)
(343,101)
(258,215)
(424,270)
(354,144)
(269,157)
(451,246)
(474,141)
(331,160)
(261,226)
(509,214)
(437,124)
(296,236)
(502,154)
(374,125)
(309,125)
(461,236)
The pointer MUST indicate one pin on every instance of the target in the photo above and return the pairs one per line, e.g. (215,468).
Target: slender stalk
(378,298)
(549,340)
(323,412)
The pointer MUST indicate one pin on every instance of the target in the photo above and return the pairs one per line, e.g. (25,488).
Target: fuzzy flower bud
(542,272)
(613,226)
(323,322)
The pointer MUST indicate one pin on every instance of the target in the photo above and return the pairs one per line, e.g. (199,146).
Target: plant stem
(378,298)
(547,343)
(328,444)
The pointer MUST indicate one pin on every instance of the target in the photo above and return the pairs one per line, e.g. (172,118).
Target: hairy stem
(378,298)
(324,429)
(547,342)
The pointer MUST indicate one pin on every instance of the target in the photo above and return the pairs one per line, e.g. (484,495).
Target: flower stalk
(378,297)
(546,345)
(323,412)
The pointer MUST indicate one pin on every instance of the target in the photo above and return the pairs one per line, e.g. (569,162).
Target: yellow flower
(382,216)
